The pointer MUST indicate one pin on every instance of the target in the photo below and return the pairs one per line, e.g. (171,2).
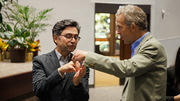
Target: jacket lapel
(146,38)
(54,59)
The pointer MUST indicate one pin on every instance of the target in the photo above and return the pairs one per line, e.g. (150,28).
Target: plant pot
(7,55)
(29,56)
(35,53)
(18,55)
(1,57)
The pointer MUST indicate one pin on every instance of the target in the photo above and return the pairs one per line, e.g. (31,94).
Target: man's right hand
(79,55)
(67,68)
(80,72)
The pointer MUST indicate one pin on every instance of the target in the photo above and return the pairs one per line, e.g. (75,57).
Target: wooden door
(125,53)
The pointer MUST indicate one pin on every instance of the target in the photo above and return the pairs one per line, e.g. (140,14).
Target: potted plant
(27,25)
(3,4)
(4,26)
(32,47)
(3,47)
(17,43)
(27,17)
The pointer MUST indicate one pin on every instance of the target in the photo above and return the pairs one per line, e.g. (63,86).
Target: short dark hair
(61,25)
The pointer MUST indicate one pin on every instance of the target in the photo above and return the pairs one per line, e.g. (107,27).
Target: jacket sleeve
(81,92)
(43,84)
(139,64)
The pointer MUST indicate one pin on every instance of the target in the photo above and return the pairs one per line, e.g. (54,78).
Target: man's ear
(55,37)
(133,26)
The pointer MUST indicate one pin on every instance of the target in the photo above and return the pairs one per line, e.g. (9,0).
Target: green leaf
(27,18)
(22,31)
(42,14)
(8,34)
(26,10)
(12,43)
(20,40)
(17,32)
(9,27)
(26,34)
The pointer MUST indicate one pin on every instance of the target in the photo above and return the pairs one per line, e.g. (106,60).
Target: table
(15,79)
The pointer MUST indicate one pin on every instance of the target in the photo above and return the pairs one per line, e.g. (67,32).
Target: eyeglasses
(69,37)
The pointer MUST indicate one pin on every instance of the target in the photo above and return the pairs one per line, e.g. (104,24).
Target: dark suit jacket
(50,86)
(172,88)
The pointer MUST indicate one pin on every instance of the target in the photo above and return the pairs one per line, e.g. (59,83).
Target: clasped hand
(73,67)
(79,55)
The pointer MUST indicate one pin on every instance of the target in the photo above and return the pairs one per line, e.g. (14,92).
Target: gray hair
(133,14)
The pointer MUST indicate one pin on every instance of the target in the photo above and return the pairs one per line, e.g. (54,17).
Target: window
(106,39)
(102,31)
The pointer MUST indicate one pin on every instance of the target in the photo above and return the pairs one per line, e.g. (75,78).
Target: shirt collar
(136,43)
(59,55)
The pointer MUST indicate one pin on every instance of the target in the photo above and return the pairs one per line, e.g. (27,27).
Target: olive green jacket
(145,72)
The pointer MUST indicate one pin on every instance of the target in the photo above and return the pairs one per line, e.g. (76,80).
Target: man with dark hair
(55,76)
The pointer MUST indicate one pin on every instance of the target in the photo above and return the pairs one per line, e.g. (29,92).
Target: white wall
(171,46)
(164,29)
(167,27)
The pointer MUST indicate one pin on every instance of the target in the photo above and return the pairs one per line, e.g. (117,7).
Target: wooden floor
(103,79)
(108,93)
